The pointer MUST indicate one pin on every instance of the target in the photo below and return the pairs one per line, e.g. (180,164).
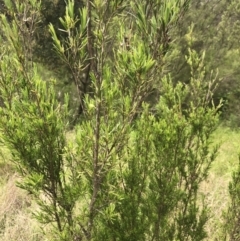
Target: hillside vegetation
(119,120)
(18,224)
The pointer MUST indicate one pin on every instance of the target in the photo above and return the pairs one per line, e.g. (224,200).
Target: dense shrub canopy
(139,98)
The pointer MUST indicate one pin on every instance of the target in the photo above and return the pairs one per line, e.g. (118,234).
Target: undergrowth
(17,224)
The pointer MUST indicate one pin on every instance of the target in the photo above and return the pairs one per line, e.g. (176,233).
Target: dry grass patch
(16,223)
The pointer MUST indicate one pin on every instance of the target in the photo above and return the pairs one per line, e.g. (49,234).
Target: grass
(215,188)
(16,223)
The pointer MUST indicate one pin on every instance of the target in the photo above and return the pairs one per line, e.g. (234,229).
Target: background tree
(216,32)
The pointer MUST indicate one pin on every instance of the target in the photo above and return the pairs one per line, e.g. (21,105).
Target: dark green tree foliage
(216,32)
(132,169)
(50,12)
(42,51)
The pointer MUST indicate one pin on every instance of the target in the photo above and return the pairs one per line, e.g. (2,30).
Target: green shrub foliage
(232,217)
(132,166)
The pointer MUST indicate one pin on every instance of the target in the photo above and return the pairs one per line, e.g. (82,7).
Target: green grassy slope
(216,187)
